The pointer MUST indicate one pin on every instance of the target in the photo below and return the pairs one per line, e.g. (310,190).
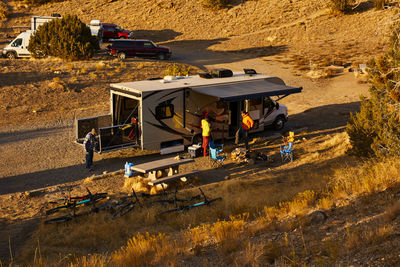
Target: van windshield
(17,42)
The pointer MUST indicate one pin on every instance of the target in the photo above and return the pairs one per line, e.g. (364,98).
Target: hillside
(325,208)
(305,32)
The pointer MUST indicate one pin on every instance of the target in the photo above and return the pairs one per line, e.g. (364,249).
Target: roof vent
(221,73)
(249,71)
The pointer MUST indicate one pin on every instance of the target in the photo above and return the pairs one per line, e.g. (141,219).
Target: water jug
(128,170)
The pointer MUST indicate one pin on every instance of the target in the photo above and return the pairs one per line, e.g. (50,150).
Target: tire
(121,55)
(279,123)
(161,56)
(11,55)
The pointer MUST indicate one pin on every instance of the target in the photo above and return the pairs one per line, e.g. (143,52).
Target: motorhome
(165,114)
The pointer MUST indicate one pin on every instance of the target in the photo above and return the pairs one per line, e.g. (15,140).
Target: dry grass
(188,234)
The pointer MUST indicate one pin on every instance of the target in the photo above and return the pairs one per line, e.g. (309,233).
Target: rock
(318,217)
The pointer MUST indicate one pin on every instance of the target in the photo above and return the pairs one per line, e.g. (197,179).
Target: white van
(19,46)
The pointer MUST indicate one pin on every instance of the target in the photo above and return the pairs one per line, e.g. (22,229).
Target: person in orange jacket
(247,124)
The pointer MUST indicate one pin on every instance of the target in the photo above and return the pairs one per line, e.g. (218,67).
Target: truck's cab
(18,47)
(112,31)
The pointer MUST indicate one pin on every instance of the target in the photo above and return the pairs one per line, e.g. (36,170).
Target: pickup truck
(112,31)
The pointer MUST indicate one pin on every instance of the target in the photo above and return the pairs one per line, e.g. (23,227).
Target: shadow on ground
(198,53)
(156,35)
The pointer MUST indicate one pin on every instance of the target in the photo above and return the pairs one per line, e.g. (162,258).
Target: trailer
(165,114)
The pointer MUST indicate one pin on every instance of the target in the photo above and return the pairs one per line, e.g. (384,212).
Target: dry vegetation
(326,208)
(274,217)
(41,94)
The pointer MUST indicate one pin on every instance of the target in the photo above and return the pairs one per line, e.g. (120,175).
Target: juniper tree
(375,130)
(67,38)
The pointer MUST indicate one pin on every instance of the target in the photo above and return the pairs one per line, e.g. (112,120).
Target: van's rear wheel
(11,55)
(121,55)
(279,123)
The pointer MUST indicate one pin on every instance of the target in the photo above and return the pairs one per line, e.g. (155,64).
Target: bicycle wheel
(56,209)
(58,219)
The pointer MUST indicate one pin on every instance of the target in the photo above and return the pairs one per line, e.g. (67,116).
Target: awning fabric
(247,90)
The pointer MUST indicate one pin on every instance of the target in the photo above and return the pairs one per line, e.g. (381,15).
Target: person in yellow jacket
(205,125)
(247,124)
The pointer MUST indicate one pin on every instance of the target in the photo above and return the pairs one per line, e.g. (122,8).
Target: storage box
(195,151)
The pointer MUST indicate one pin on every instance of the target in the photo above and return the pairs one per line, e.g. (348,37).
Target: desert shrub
(215,4)
(67,38)
(177,70)
(4,11)
(341,5)
(375,130)
(380,4)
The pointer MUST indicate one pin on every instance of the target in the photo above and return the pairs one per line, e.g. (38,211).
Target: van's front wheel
(11,55)
(279,123)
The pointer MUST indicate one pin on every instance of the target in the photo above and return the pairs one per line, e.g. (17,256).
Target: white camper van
(165,114)
(19,46)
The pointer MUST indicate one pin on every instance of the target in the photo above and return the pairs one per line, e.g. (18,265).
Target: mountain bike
(195,205)
(174,200)
(73,202)
(126,205)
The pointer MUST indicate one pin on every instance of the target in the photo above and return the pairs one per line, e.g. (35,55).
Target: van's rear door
(85,125)
(109,137)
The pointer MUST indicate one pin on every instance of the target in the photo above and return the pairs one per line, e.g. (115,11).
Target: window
(148,45)
(139,44)
(122,44)
(17,42)
(164,111)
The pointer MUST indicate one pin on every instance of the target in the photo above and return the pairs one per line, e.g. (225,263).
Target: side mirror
(277,105)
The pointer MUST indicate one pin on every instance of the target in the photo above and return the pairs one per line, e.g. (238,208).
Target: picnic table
(151,168)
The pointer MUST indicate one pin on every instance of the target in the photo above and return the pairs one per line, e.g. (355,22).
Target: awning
(247,90)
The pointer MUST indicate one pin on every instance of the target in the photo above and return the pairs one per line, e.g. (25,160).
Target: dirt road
(44,154)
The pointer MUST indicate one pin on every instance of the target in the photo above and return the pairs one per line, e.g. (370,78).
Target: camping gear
(195,151)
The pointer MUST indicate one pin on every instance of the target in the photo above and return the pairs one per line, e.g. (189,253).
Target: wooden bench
(172,177)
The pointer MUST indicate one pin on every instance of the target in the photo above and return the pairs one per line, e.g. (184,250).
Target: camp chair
(287,152)
(216,160)
(219,147)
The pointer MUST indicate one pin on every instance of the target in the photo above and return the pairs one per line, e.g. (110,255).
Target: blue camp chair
(287,152)
(216,160)
(219,147)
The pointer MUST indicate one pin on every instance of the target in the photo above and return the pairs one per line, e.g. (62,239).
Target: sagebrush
(341,5)
(67,38)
